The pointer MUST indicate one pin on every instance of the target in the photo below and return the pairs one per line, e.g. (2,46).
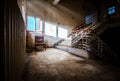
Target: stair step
(75,51)
(65,43)
(64,48)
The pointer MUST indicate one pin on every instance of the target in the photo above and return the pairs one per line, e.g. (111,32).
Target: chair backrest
(39,39)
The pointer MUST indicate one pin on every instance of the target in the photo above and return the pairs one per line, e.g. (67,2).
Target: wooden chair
(39,43)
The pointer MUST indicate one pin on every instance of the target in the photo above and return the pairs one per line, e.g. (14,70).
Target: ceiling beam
(55,2)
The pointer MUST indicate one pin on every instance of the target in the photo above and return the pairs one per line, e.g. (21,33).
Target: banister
(92,41)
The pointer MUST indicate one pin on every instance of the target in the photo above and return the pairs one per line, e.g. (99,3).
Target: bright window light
(38,24)
(111,10)
(34,24)
(50,29)
(62,32)
(88,20)
(30,23)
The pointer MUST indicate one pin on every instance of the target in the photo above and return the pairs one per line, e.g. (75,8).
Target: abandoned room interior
(60,40)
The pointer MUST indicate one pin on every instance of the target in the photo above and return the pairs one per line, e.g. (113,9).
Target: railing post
(98,46)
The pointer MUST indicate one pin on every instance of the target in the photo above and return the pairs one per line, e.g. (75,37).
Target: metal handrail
(94,42)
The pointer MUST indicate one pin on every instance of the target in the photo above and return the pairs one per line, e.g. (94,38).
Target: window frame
(35,26)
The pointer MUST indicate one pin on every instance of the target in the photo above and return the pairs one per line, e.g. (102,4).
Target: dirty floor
(57,65)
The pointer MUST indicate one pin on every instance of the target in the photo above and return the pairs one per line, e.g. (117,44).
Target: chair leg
(45,47)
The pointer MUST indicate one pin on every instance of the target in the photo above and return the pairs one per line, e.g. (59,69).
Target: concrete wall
(112,20)
(103,9)
(65,13)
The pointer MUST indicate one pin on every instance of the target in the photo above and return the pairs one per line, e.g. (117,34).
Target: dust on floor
(57,65)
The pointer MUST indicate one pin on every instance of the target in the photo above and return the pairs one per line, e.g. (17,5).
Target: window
(38,24)
(34,24)
(88,20)
(50,29)
(62,32)
(30,23)
(111,10)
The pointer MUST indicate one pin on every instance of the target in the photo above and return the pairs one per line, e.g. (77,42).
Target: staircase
(86,39)
(65,42)
(65,45)
(81,41)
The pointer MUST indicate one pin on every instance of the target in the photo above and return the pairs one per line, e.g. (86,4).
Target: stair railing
(93,44)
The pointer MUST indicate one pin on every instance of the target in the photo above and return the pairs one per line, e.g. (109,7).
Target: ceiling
(66,12)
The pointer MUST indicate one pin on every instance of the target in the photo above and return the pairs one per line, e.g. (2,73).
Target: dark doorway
(112,38)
